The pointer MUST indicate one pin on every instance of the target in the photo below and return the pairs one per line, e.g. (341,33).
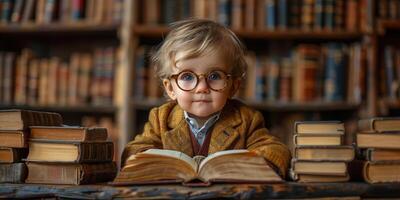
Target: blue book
(318,14)
(334,84)
(225,9)
(273,79)
(270,7)
(329,15)
(283,14)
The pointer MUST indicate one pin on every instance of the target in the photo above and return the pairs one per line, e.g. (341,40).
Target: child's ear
(169,89)
(235,87)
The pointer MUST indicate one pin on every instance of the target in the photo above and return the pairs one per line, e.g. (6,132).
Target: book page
(221,153)
(174,154)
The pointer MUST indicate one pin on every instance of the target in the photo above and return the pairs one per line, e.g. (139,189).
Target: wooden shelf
(307,106)
(160,31)
(392,104)
(384,25)
(59,28)
(89,109)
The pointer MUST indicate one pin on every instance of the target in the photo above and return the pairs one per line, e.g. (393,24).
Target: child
(201,64)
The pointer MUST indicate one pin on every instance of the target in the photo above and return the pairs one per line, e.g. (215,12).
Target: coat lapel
(224,133)
(178,137)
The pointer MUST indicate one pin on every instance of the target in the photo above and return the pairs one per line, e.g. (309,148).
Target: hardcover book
(76,152)
(21,119)
(324,153)
(70,173)
(12,155)
(65,133)
(319,127)
(310,178)
(319,168)
(379,124)
(378,140)
(376,155)
(12,172)
(313,140)
(15,139)
(167,166)
(381,172)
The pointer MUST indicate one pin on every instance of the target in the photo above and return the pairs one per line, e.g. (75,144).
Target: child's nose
(202,86)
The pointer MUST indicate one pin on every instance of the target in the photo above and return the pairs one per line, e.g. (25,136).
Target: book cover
(13,172)
(68,133)
(332,168)
(381,172)
(167,166)
(378,155)
(72,152)
(318,139)
(71,174)
(15,139)
(12,155)
(15,119)
(319,127)
(324,153)
(378,140)
(379,124)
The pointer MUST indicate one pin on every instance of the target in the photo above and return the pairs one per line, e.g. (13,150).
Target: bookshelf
(74,33)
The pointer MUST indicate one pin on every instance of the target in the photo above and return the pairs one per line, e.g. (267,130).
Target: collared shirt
(200,132)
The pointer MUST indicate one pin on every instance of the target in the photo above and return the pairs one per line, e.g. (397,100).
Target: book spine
(97,173)
(283,14)
(366,125)
(96,152)
(13,173)
(34,118)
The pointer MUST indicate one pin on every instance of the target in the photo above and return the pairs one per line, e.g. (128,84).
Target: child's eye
(186,76)
(215,76)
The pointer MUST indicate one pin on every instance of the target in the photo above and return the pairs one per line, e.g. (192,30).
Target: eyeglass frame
(198,76)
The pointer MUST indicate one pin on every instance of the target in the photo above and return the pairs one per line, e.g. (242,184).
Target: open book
(168,166)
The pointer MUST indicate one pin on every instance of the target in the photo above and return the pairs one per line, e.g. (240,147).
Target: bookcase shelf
(384,25)
(304,107)
(66,109)
(290,34)
(75,28)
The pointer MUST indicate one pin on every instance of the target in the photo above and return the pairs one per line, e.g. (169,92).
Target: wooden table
(287,190)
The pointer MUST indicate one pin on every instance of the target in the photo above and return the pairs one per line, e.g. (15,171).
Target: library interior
(325,74)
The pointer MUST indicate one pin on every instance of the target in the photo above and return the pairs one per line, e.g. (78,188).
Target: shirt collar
(194,125)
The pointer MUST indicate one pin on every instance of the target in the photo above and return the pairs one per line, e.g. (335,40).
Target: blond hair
(196,37)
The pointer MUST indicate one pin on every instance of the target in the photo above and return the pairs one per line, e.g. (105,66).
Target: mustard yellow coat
(239,127)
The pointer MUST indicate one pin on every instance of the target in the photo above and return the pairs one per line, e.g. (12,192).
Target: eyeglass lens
(216,80)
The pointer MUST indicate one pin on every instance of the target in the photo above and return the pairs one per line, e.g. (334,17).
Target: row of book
(388,9)
(320,156)
(331,72)
(61,11)
(85,79)
(308,72)
(391,81)
(57,154)
(352,15)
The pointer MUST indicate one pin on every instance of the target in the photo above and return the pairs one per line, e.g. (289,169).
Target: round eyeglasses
(188,80)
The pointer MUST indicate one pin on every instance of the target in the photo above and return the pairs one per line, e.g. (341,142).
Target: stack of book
(379,141)
(70,155)
(319,153)
(14,132)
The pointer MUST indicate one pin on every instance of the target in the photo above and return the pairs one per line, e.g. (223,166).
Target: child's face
(202,101)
